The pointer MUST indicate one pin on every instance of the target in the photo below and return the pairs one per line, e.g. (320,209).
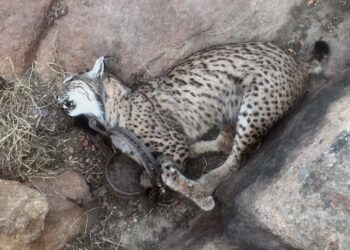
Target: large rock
(42,219)
(294,192)
(65,219)
(22,215)
(22,25)
(308,202)
(297,186)
(149,36)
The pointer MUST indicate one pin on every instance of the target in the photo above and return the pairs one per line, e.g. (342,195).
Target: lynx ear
(98,69)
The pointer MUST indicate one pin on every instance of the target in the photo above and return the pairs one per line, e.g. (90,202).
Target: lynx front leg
(223,143)
(200,191)
(174,179)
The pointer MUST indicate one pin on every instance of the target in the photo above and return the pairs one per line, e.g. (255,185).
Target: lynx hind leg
(174,179)
(249,130)
(254,120)
(223,143)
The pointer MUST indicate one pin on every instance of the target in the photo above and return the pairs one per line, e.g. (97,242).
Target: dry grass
(23,138)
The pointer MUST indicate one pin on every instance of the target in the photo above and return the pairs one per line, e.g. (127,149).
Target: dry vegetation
(35,137)
(23,137)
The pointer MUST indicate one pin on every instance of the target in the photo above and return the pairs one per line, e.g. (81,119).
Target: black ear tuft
(321,49)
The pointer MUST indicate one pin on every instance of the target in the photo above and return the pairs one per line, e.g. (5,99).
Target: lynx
(243,89)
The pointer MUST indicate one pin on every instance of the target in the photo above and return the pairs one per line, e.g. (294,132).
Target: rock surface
(22,26)
(306,199)
(309,204)
(65,219)
(150,36)
(22,215)
(42,219)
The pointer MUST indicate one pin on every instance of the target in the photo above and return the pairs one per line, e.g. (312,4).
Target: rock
(22,215)
(42,219)
(209,231)
(309,204)
(150,36)
(65,219)
(297,186)
(22,25)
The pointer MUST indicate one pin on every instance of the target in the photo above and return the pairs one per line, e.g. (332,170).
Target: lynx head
(82,93)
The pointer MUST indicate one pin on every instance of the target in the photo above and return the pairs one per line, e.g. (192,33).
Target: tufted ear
(98,69)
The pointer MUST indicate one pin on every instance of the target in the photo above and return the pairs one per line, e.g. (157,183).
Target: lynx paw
(206,203)
(173,178)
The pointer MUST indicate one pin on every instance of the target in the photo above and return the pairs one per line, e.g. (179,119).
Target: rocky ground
(294,191)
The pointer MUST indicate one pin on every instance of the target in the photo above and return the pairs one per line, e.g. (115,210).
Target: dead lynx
(244,88)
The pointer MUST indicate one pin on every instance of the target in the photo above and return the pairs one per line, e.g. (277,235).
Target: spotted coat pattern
(243,89)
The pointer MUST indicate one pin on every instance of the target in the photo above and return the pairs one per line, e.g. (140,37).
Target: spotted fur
(244,89)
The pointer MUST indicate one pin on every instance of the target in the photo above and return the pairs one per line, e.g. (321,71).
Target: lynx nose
(64,103)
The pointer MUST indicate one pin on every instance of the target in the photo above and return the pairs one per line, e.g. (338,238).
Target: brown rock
(297,184)
(65,219)
(310,201)
(150,36)
(22,215)
(22,24)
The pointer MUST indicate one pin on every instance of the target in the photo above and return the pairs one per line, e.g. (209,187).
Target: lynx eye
(68,104)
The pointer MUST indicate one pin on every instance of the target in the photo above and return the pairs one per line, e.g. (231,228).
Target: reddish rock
(22,215)
(65,219)
(297,184)
(150,36)
(43,218)
(22,24)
